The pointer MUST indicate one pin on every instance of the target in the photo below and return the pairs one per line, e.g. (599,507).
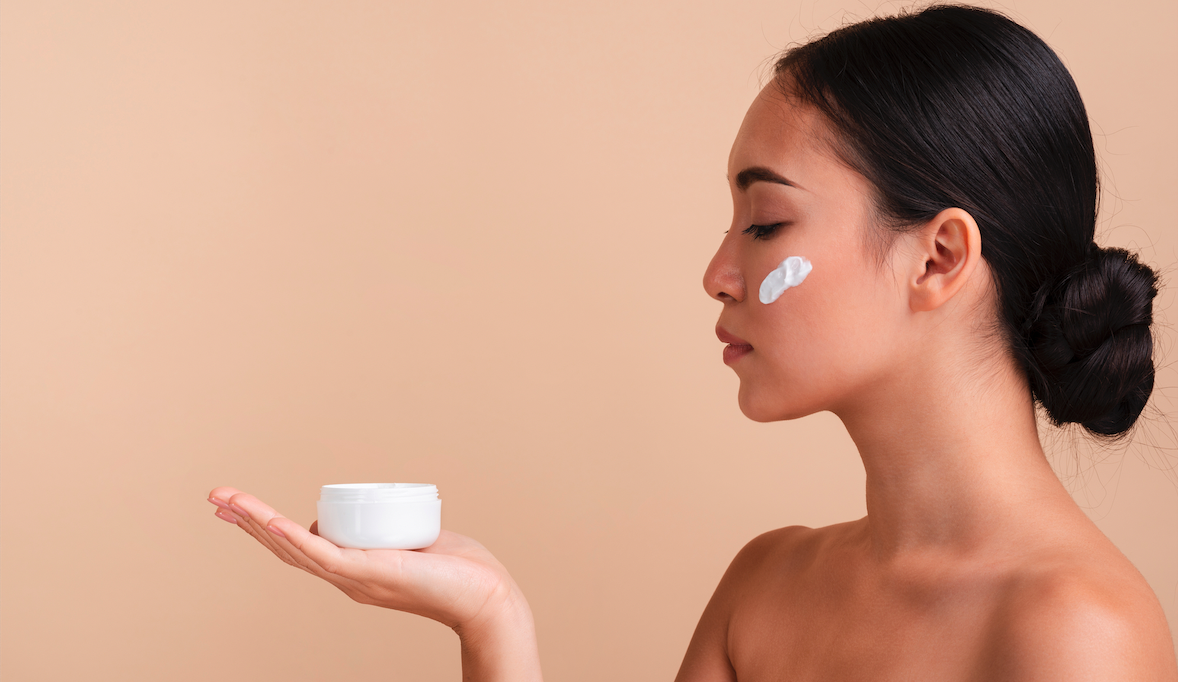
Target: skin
(973,562)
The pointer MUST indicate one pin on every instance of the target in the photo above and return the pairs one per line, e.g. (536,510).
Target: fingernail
(274,529)
(225,516)
(240,512)
(219,503)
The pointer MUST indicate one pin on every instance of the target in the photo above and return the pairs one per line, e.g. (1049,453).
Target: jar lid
(378,492)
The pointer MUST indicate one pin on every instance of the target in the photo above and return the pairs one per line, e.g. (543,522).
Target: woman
(936,172)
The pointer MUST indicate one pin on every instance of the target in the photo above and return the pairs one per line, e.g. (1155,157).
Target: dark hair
(956,106)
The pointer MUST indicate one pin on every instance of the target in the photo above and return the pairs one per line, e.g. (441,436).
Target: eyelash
(762,231)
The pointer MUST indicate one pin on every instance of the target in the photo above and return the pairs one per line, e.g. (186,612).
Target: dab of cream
(790,273)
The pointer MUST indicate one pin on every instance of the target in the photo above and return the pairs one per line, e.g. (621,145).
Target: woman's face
(835,338)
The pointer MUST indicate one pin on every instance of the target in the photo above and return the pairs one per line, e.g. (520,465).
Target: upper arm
(707,658)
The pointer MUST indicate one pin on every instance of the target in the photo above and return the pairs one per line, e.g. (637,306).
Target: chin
(769,408)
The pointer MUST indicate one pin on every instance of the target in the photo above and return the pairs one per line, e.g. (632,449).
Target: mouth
(737,347)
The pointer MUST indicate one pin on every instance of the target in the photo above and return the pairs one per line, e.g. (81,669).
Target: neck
(950,467)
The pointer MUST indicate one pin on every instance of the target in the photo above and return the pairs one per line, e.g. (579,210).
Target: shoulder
(780,550)
(766,557)
(1069,622)
(770,562)
(773,555)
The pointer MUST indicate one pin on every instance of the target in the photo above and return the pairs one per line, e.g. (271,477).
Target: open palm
(455,581)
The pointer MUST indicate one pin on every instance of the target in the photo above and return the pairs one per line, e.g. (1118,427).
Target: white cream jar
(380,515)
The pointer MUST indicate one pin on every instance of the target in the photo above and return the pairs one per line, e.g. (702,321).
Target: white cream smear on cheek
(790,273)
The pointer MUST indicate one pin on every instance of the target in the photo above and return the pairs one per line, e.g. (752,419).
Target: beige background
(276,245)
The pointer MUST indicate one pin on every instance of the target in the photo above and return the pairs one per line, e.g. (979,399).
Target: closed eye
(762,231)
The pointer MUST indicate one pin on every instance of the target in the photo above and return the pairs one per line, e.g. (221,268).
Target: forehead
(784,136)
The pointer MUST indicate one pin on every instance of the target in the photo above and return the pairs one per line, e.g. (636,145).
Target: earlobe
(950,247)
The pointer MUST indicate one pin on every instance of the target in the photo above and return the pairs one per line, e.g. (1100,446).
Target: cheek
(821,338)
(810,321)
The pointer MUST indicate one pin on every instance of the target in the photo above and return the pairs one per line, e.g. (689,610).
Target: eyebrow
(748,176)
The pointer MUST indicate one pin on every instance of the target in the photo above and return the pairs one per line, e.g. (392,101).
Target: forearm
(502,649)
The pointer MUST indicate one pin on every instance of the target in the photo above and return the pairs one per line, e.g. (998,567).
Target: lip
(728,337)
(737,347)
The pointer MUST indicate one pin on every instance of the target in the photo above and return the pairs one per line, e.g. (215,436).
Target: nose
(723,280)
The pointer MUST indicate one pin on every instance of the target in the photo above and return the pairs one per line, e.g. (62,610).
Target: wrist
(500,643)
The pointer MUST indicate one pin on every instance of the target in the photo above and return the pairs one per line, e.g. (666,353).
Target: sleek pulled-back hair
(958,106)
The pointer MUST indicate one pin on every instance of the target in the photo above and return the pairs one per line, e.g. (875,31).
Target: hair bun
(1091,347)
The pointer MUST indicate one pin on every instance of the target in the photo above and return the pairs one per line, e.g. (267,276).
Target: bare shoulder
(1081,618)
(776,559)
(792,547)
(769,556)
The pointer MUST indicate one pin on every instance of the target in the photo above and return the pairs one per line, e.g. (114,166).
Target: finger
(220,495)
(314,553)
(225,513)
(249,506)
(255,515)
(226,516)
(231,516)
(256,518)
(241,519)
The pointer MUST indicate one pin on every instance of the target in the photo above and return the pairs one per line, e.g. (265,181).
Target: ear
(947,252)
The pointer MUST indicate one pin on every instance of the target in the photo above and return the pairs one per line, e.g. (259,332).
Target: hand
(454,581)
